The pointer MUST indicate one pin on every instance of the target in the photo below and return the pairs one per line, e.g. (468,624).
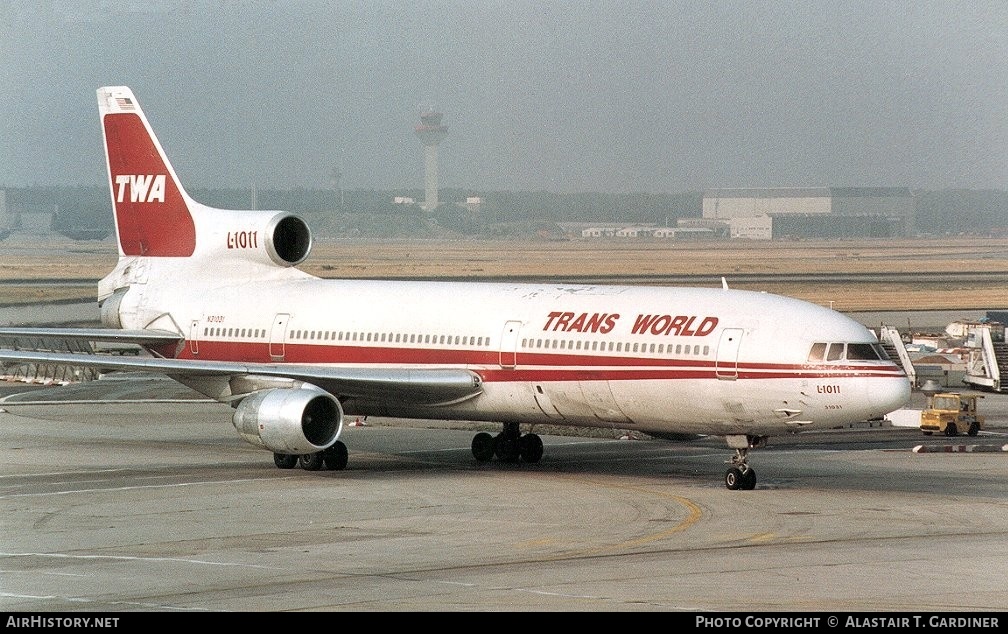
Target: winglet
(152,210)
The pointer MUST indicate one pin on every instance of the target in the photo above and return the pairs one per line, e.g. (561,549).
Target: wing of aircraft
(151,338)
(213,299)
(421,387)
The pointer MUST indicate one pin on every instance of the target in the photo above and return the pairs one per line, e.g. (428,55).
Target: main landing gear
(334,458)
(509,446)
(740,475)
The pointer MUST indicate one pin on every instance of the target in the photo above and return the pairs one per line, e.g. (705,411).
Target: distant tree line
(372,212)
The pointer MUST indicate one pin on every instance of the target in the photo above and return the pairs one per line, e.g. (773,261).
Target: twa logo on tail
(152,211)
(143,188)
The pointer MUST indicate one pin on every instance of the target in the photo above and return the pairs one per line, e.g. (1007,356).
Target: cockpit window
(835,352)
(854,352)
(862,352)
(817,351)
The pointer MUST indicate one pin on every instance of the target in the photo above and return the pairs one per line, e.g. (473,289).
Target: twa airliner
(215,298)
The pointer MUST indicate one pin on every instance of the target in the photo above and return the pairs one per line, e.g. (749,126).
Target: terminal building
(811,212)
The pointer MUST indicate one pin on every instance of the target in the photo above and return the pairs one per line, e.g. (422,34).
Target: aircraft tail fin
(153,213)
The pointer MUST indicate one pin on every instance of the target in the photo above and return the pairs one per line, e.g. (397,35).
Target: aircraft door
(726,367)
(509,344)
(277,336)
(194,338)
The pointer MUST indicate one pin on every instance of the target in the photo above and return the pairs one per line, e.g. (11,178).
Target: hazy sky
(561,96)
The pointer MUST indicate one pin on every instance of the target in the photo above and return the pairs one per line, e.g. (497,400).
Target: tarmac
(137,496)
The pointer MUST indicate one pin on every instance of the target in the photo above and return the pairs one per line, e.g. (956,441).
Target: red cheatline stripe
(558,367)
(563,374)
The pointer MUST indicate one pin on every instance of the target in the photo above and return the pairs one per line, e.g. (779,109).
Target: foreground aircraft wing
(108,335)
(420,386)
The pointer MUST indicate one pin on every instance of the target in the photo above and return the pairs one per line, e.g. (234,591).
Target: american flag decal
(124,103)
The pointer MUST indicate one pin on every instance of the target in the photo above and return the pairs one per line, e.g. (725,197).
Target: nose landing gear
(740,476)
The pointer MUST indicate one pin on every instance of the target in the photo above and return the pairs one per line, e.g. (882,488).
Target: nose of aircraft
(890,394)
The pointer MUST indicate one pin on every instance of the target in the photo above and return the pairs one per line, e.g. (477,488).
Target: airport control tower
(431,132)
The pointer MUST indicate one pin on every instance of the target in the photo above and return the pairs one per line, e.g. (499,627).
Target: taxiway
(136,496)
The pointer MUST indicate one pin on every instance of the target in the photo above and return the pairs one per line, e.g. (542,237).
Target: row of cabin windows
(241,333)
(332,335)
(530,344)
(617,346)
(848,351)
(459,340)
(389,337)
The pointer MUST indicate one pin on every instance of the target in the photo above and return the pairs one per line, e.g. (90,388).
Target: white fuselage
(665,360)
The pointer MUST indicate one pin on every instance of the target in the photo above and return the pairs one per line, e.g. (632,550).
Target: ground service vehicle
(952,414)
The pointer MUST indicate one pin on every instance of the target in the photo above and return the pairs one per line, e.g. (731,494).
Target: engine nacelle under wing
(290,420)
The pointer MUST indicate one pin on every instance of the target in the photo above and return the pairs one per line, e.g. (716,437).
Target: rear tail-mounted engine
(288,239)
(277,238)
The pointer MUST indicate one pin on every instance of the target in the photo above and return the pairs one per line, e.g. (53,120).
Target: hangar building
(812,212)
